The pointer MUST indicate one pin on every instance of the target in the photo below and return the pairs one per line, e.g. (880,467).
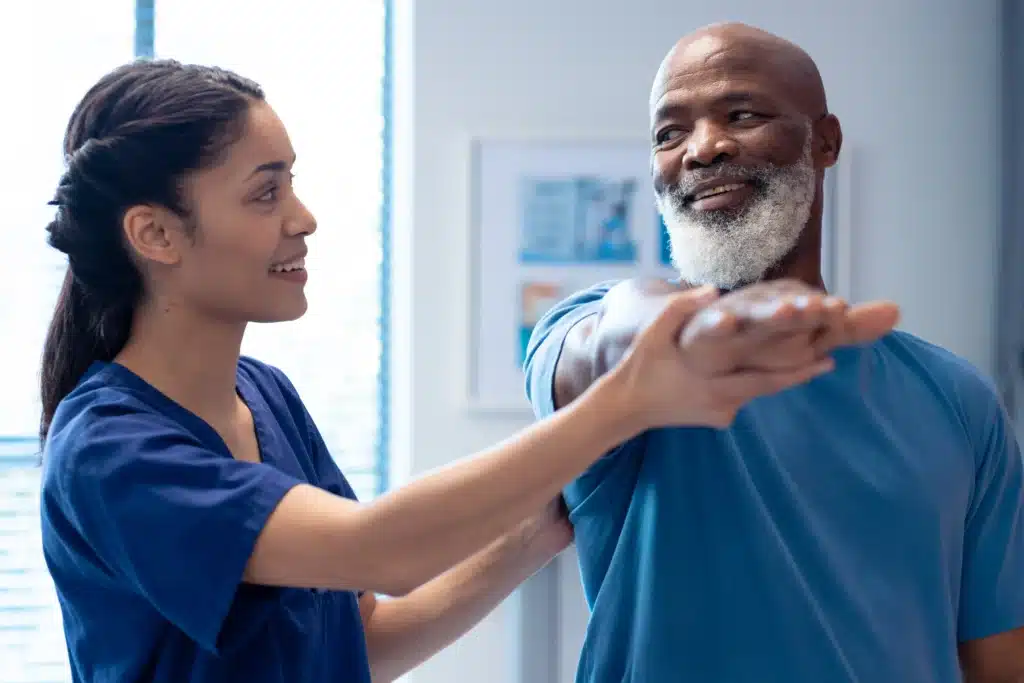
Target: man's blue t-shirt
(147,526)
(854,529)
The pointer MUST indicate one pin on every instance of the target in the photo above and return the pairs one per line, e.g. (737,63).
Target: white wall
(915,83)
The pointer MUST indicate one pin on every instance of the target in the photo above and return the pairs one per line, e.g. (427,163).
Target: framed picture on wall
(549,217)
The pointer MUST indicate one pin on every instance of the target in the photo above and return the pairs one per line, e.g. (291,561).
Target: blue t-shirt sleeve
(169,517)
(992,584)
(598,499)
(546,340)
(604,487)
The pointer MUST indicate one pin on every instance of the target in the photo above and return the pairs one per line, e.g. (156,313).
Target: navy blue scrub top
(148,523)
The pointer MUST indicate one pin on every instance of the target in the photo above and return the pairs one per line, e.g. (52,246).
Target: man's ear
(828,140)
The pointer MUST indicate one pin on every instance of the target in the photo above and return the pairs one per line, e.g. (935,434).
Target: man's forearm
(995,659)
(1012,677)
(402,633)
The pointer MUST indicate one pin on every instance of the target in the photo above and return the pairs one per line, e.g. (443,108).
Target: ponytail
(82,331)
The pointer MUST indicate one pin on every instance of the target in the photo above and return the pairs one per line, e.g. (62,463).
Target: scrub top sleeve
(173,519)
(330,475)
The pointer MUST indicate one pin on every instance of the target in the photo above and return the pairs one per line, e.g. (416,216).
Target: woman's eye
(268,196)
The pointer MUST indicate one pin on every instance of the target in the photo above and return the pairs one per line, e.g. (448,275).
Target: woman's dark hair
(131,140)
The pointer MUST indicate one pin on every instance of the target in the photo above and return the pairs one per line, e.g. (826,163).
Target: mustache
(757,176)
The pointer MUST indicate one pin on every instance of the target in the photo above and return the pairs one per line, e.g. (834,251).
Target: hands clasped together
(704,356)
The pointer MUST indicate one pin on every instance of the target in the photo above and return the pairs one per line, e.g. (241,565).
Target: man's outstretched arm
(768,326)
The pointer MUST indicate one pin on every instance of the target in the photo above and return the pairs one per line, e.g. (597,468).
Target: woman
(194,523)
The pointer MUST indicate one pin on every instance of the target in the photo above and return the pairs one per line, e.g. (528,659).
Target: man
(866,526)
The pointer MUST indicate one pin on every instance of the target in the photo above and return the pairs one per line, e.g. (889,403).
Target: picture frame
(549,216)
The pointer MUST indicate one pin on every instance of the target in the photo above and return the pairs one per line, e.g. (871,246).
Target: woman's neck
(190,357)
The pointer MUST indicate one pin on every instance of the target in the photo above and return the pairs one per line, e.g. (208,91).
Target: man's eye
(744,115)
(668,135)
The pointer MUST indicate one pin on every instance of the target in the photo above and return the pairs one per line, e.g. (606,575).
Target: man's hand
(728,351)
(666,381)
(781,325)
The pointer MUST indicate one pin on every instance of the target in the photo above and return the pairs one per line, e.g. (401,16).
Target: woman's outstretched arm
(409,536)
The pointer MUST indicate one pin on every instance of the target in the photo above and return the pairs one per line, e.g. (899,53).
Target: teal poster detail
(577,220)
(535,299)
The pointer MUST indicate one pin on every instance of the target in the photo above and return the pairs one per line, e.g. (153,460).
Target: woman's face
(244,262)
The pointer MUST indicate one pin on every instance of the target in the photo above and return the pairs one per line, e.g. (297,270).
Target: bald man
(867,526)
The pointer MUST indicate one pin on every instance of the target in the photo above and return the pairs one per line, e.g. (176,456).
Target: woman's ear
(152,234)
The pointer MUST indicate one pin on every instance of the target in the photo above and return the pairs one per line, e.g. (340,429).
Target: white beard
(729,249)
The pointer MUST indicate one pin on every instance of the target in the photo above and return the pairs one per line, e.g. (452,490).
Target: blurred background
(383,99)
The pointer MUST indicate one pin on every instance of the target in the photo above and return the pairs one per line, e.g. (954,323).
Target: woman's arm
(411,535)
(402,633)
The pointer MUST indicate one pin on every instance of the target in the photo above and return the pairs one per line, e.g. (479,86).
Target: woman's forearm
(402,633)
(407,537)
(444,517)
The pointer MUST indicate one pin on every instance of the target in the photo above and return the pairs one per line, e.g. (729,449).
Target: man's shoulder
(969,395)
(587,295)
(938,364)
(595,299)
(560,318)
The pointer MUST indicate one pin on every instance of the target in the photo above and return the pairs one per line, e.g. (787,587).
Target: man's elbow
(576,368)
(597,342)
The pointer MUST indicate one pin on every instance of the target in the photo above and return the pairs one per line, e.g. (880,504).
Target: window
(323,68)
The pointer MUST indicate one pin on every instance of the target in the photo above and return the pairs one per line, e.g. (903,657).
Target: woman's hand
(670,378)
(404,632)
(548,533)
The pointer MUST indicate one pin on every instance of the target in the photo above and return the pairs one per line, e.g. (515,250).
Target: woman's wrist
(607,407)
(533,545)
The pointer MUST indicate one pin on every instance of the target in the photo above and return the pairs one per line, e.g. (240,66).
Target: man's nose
(708,145)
